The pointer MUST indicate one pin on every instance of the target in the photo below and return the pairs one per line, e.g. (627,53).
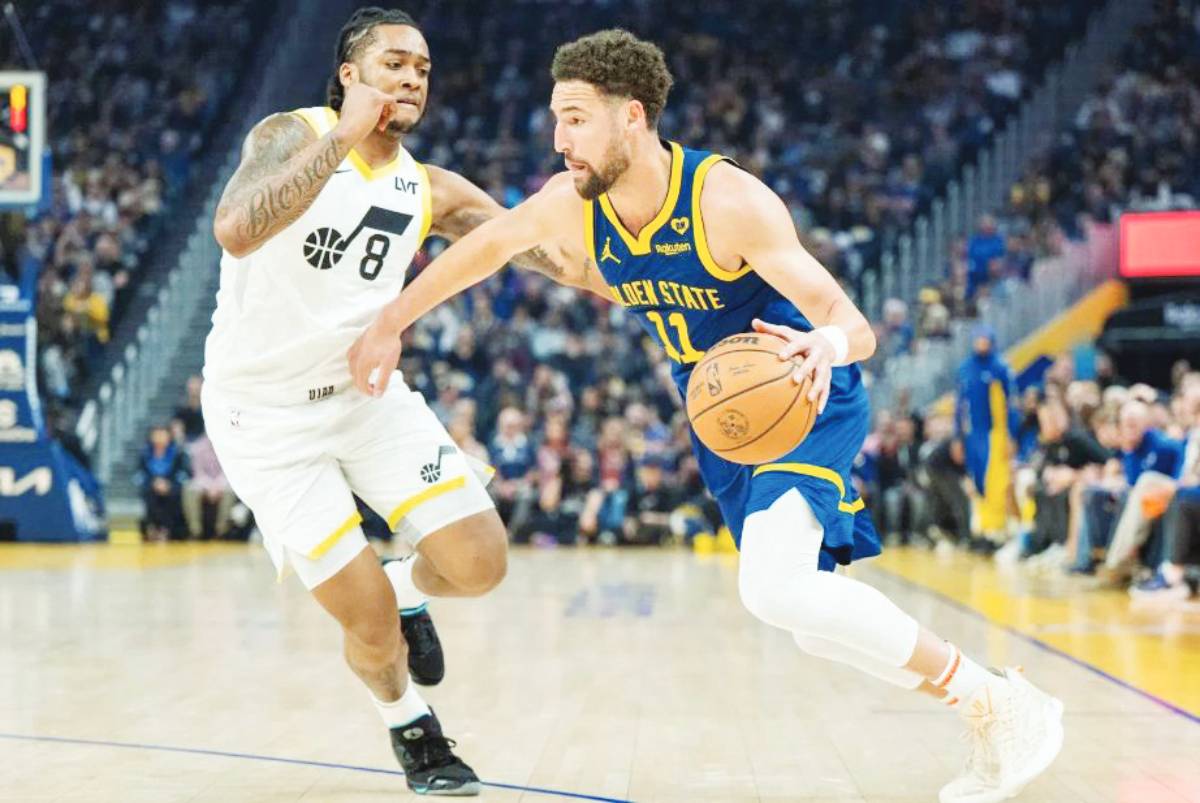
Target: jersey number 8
(325,247)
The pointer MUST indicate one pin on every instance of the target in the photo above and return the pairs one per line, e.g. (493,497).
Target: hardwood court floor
(184,674)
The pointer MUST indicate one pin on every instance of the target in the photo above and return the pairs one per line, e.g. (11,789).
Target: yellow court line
(1155,650)
(101,555)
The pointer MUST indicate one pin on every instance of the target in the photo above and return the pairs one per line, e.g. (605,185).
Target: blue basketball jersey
(667,278)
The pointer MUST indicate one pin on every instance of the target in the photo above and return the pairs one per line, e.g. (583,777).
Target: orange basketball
(743,403)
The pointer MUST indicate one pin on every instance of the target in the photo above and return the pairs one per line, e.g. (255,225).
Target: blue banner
(45,494)
(20,408)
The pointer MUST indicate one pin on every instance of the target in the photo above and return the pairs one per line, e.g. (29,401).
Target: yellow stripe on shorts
(317,552)
(432,492)
(821,473)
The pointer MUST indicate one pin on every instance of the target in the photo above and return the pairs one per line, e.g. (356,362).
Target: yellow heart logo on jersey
(680,224)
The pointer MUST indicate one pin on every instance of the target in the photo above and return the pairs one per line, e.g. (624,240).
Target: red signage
(1160,245)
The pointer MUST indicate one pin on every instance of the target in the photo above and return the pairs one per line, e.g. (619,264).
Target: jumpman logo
(607,252)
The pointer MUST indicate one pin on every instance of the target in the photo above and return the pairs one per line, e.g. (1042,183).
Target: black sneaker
(426,661)
(430,768)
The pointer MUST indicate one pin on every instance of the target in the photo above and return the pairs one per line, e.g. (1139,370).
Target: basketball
(743,403)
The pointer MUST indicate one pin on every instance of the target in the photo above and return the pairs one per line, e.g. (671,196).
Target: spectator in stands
(934,319)
(580,500)
(1181,523)
(651,502)
(162,473)
(207,497)
(985,422)
(1066,458)
(90,312)
(902,502)
(1151,464)
(985,245)
(189,413)
(615,475)
(1028,424)
(462,430)
(949,506)
(895,336)
(512,454)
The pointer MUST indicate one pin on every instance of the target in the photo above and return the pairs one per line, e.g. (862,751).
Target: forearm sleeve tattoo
(278,179)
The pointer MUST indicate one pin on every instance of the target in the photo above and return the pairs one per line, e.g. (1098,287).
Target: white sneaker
(1048,560)
(1009,554)
(1015,731)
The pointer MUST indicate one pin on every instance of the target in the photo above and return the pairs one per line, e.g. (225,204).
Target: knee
(486,572)
(479,559)
(757,598)
(790,602)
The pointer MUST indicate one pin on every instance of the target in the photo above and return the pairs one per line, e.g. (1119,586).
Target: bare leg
(465,559)
(361,599)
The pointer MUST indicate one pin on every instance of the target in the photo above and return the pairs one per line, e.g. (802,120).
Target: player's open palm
(373,358)
(364,109)
(816,352)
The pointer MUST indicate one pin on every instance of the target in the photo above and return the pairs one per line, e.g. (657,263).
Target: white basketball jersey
(288,312)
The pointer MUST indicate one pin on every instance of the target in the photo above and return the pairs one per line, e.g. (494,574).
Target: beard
(598,182)
(398,128)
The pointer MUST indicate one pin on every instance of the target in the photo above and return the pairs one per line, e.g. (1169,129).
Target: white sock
(408,596)
(961,677)
(409,708)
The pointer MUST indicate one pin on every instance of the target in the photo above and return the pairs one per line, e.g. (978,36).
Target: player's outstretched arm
(460,207)
(477,255)
(751,223)
(284,166)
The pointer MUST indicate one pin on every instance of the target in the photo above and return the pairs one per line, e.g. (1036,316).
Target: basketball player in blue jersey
(698,249)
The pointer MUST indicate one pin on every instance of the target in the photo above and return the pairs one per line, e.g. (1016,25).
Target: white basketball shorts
(296,467)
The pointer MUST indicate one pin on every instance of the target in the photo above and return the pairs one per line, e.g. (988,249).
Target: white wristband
(837,338)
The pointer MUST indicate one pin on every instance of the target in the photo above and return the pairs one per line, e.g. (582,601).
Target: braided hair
(357,35)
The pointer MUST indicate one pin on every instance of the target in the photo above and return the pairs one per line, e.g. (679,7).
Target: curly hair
(618,64)
(356,36)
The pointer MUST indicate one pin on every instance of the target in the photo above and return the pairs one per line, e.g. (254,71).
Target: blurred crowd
(1134,144)
(1101,476)
(132,92)
(1094,477)
(183,486)
(857,117)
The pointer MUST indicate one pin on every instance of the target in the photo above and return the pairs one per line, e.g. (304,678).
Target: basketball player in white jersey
(319,225)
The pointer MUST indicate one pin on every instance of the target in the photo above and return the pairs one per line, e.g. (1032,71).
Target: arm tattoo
(535,259)
(278,179)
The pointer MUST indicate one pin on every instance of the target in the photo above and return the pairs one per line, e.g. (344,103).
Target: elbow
(869,341)
(227,237)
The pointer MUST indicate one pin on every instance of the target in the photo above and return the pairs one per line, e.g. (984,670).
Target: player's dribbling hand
(364,109)
(374,357)
(818,354)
